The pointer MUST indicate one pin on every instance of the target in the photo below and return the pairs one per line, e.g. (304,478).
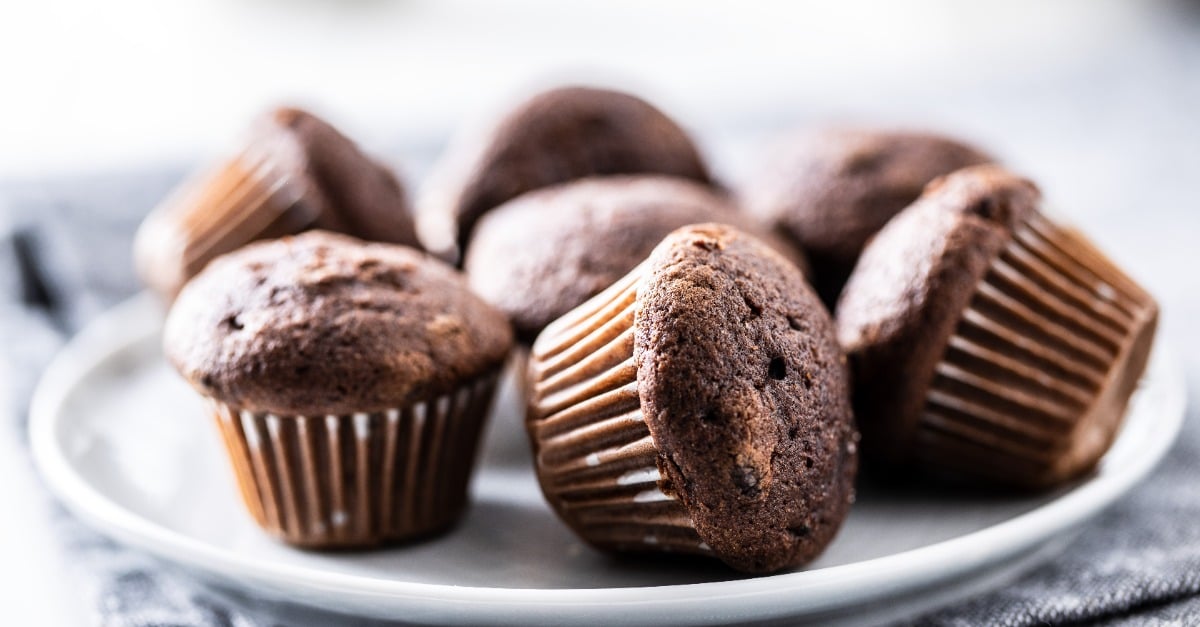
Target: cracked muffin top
(555,136)
(542,254)
(745,390)
(321,324)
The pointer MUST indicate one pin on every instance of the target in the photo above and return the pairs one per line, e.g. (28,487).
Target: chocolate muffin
(554,137)
(832,189)
(699,405)
(293,172)
(349,381)
(544,253)
(987,342)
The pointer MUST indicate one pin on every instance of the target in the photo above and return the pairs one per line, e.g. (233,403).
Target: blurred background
(125,83)
(1097,100)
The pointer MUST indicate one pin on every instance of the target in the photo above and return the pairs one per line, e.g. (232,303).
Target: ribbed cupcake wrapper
(249,196)
(1035,379)
(596,460)
(343,481)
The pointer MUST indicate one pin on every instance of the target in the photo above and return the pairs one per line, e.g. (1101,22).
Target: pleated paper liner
(596,460)
(357,480)
(250,196)
(1035,379)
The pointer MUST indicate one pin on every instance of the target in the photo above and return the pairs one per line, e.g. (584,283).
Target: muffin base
(361,479)
(596,459)
(1035,379)
(247,197)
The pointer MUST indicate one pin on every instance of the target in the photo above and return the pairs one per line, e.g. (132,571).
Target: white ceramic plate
(127,446)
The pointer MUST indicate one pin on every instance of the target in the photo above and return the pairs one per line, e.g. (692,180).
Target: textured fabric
(1136,564)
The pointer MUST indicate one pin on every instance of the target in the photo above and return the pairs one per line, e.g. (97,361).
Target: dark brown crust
(295,172)
(543,254)
(832,189)
(361,197)
(909,290)
(554,137)
(322,324)
(745,391)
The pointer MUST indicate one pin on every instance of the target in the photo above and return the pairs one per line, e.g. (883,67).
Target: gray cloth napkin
(64,256)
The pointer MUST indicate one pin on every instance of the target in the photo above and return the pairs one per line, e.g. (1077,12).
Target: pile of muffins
(696,363)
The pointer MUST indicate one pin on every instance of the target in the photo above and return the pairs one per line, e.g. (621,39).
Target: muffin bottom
(360,479)
(597,461)
(250,196)
(1036,377)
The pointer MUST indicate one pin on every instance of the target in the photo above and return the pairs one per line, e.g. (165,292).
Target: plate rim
(817,590)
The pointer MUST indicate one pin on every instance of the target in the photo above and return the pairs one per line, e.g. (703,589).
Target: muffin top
(322,324)
(546,252)
(553,137)
(745,391)
(913,281)
(352,193)
(294,172)
(832,189)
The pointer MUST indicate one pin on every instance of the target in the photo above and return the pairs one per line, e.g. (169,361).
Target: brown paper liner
(596,460)
(1035,380)
(356,480)
(250,196)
